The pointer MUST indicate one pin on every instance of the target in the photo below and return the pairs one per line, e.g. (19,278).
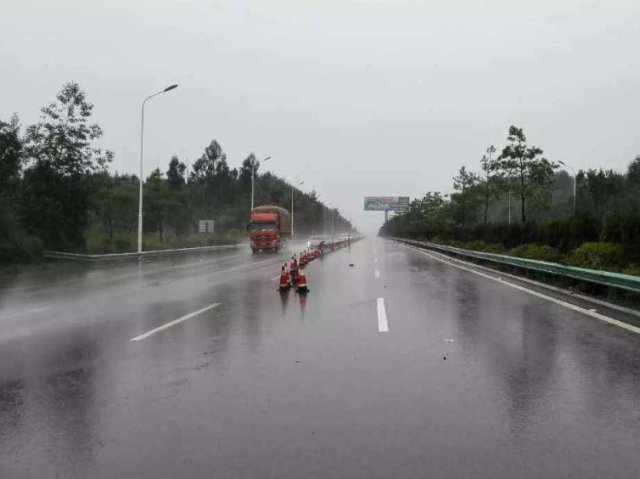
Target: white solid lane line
(375,260)
(377,273)
(567,305)
(275,277)
(383,326)
(174,322)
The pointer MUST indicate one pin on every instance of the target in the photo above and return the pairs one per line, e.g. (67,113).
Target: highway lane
(350,381)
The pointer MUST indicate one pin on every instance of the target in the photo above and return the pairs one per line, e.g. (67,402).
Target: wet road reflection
(273,384)
(47,416)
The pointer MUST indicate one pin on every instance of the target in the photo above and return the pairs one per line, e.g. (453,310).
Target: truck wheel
(254,250)
(276,249)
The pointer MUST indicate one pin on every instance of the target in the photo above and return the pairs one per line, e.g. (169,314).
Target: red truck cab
(269,227)
(264,231)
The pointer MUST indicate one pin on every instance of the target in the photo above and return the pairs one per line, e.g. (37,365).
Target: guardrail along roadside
(614,283)
(124,256)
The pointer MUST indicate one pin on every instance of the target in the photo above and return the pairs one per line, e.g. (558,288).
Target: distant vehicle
(269,227)
(314,241)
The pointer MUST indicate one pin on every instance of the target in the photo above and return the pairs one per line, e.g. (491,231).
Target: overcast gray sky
(353,97)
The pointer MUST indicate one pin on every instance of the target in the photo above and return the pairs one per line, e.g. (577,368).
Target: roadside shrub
(151,242)
(478,245)
(235,235)
(125,242)
(604,256)
(495,248)
(537,252)
(195,240)
(633,270)
(32,246)
(96,242)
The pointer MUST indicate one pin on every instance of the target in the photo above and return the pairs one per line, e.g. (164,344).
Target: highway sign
(386,203)
(207,226)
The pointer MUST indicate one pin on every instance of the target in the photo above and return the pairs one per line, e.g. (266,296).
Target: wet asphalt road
(270,386)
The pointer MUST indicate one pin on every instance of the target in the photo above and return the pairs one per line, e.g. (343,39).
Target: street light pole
(169,88)
(253,163)
(575,179)
(509,206)
(299,184)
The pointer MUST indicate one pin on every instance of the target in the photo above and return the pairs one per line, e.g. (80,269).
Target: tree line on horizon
(57,191)
(520,199)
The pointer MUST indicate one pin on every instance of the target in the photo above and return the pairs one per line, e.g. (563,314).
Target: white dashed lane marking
(383,325)
(174,322)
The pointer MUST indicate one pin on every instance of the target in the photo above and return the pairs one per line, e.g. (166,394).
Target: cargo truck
(269,228)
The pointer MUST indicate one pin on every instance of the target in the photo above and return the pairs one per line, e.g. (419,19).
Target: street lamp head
(171,87)
(562,163)
(267,158)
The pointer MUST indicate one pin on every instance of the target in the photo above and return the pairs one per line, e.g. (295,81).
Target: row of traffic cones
(309,255)
(292,274)
(293,277)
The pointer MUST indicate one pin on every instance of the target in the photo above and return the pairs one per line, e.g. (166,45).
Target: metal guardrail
(111,256)
(604,278)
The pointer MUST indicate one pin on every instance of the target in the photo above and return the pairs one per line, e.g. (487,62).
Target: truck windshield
(263,226)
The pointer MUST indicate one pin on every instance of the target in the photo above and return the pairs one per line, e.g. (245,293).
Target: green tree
(176,201)
(490,183)
(211,182)
(176,173)
(61,157)
(212,162)
(156,204)
(633,173)
(466,197)
(525,168)
(124,199)
(11,156)
(633,186)
(101,202)
(244,175)
(63,138)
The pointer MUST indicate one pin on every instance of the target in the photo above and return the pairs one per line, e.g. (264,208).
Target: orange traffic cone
(288,274)
(294,270)
(284,281)
(302,282)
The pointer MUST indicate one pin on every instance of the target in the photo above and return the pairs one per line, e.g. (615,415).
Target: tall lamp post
(253,164)
(575,179)
(299,184)
(169,88)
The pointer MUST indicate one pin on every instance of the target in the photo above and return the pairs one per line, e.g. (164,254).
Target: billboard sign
(386,203)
